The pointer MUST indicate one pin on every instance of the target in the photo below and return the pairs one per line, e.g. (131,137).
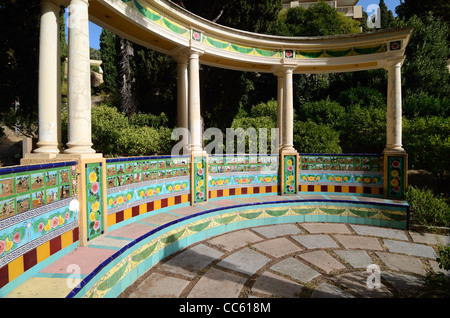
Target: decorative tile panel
(351,170)
(94,200)
(396,176)
(290,171)
(199,179)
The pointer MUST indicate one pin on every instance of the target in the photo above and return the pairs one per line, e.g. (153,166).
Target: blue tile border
(18,169)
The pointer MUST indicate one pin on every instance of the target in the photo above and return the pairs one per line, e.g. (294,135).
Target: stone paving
(318,260)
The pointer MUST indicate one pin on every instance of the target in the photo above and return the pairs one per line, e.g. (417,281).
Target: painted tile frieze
(26,190)
(373,163)
(19,234)
(243,163)
(133,171)
(242,179)
(342,170)
(146,191)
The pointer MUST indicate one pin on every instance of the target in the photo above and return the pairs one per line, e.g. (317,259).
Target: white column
(288,113)
(79,80)
(182,97)
(49,100)
(394,108)
(195,123)
(280,117)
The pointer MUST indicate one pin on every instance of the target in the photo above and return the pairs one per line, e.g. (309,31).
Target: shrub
(138,141)
(150,120)
(252,122)
(427,208)
(268,109)
(322,112)
(364,96)
(425,105)
(427,141)
(363,129)
(444,257)
(114,134)
(108,125)
(310,137)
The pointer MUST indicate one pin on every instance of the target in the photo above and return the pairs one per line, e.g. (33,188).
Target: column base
(394,150)
(79,150)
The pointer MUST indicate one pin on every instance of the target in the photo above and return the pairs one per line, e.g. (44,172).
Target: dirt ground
(10,147)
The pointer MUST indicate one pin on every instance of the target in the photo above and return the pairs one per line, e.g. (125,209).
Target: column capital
(84,1)
(287,66)
(394,62)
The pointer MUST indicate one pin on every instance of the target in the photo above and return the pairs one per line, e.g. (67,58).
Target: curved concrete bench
(121,269)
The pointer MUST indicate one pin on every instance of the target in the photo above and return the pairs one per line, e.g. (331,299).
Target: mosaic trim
(94,200)
(160,242)
(396,176)
(132,171)
(267,52)
(199,179)
(148,192)
(342,179)
(23,190)
(156,17)
(16,236)
(144,207)
(243,163)
(242,180)
(352,51)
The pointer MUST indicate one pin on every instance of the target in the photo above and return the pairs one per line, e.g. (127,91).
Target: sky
(95,30)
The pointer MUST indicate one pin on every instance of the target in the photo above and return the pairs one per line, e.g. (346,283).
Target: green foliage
(109,55)
(248,15)
(363,129)
(137,141)
(114,134)
(252,122)
(425,68)
(151,120)
(317,20)
(437,285)
(444,257)
(19,63)
(425,105)
(310,137)
(322,112)
(268,109)
(363,96)
(408,8)
(427,141)
(427,208)
(387,17)
(155,85)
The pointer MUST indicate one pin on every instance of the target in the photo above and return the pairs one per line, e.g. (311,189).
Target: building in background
(348,7)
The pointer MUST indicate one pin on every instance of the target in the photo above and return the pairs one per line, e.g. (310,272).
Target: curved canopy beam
(165,27)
